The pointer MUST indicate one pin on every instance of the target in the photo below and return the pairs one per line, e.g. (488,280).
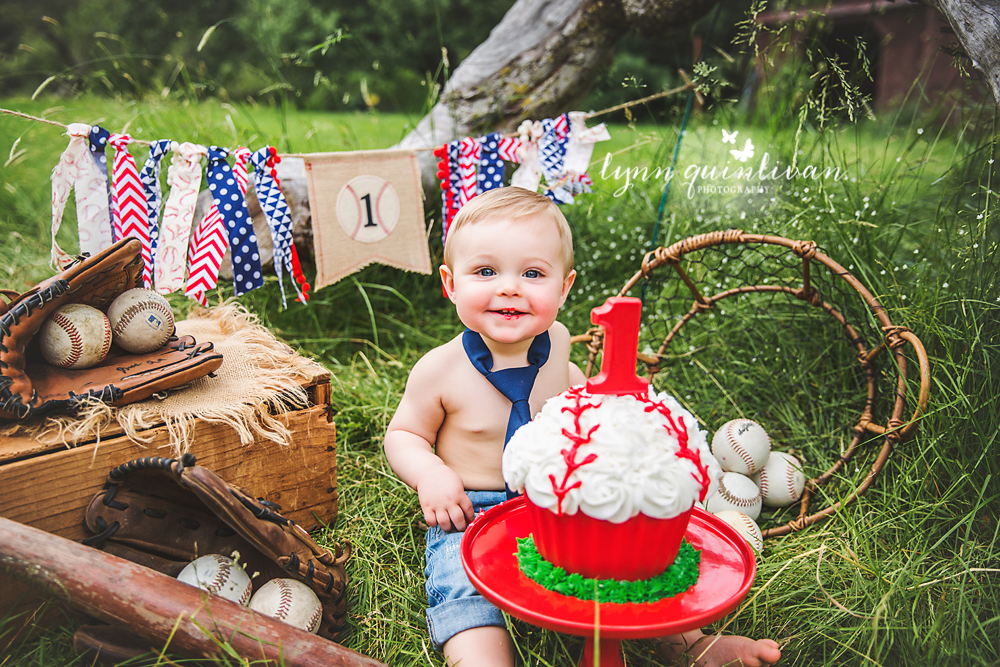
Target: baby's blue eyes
(487,272)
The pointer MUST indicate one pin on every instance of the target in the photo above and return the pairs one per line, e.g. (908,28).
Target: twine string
(689,86)
(52,122)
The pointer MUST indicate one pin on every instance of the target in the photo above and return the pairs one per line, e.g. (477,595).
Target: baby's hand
(443,500)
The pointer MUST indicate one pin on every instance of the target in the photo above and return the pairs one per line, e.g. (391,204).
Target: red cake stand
(727,570)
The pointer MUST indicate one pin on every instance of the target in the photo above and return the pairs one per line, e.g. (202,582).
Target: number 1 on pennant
(368,205)
(620,318)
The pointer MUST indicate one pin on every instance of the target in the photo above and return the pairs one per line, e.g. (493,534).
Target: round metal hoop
(894,428)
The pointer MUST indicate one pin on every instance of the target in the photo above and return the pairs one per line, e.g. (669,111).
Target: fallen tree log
(540,60)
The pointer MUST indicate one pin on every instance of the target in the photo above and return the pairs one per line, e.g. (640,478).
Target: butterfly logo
(729,138)
(745,154)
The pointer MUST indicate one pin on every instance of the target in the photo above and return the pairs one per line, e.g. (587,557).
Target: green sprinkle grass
(680,576)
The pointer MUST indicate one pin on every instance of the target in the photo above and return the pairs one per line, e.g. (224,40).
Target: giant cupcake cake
(610,482)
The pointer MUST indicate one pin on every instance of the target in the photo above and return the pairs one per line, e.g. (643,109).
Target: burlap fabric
(367,206)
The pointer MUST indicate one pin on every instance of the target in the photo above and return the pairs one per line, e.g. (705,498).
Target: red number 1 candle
(620,318)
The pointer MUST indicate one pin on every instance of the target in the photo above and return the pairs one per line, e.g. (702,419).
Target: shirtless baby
(508,269)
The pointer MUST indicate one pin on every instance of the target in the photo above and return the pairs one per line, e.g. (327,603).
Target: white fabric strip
(184,180)
(77,171)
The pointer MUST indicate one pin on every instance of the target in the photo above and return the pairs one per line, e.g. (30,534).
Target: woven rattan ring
(774,330)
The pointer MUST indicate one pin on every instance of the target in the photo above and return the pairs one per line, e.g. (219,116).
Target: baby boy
(508,269)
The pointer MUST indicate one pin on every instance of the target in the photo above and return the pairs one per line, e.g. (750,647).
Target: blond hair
(511,203)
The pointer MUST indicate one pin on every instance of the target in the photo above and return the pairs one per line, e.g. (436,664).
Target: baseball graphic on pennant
(368,208)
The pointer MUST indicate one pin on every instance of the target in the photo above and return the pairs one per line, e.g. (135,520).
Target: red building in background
(904,43)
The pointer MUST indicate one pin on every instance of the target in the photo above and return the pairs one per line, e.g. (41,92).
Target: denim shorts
(454,603)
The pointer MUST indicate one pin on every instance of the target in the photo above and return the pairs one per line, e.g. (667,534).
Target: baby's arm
(576,376)
(409,449)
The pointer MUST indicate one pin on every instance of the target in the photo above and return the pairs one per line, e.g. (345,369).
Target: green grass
(908,575)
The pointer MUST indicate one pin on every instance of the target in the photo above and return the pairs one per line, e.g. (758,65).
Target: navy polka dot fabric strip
(490,163)
(247,274)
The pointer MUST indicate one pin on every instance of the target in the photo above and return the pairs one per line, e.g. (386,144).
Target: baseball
(781,480)
(291,602)
(75,336)
(745,526)
(742,446)
(368,208)
(141,320)
(736,492)
(218,575)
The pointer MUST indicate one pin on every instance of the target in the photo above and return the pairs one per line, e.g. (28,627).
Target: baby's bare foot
(698,650)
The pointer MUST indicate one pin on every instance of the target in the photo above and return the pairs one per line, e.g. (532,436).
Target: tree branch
(977,26)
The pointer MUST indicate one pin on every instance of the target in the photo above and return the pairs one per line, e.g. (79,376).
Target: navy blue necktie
(514,383)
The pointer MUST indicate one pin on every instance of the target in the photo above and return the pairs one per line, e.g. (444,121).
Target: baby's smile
(509,313)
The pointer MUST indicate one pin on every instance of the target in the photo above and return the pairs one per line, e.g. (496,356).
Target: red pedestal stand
(727,570)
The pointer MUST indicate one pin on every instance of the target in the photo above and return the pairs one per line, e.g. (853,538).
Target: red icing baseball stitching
(739,449)
(739,502)
(578,439)
(284,600)
(679,430)
(75,343)
(133,310)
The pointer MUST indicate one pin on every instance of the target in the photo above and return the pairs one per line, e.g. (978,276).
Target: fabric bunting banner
(98,144)
(367,206)
(208,247)
(490,163)
(275,208)
(78,172)
(149,176)
(557,150)
(231,202)
(468,160)
(580,147)
(129,217)
(552,155)
(529,174)
(184,180)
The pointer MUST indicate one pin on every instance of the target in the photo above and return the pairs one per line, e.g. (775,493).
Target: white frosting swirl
(634,467)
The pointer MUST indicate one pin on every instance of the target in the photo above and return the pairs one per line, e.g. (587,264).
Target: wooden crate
(45,485)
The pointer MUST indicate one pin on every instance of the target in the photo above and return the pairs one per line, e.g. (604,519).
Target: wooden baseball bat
(154,606)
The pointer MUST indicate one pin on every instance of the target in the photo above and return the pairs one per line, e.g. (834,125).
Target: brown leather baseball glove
(29,387)
(163,513)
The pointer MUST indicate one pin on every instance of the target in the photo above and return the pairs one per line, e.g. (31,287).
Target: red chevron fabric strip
(208,245)
(508,149)
(210,240)
(129,215)
(468,160)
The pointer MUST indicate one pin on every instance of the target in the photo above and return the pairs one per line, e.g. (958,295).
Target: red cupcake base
(639,548)
(727,570)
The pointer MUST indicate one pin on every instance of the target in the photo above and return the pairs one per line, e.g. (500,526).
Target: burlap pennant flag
(367,206)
